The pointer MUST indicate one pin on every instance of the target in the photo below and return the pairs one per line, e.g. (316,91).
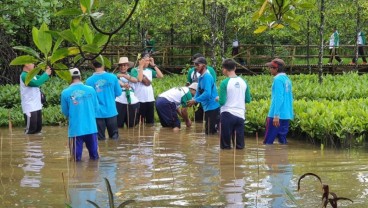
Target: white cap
(74,72)
(193,86)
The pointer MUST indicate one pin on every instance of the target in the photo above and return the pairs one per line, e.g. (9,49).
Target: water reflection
(33,163)
(158,168)
(280,173)
(83,183)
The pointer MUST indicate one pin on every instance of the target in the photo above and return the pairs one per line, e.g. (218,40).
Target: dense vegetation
(335,111)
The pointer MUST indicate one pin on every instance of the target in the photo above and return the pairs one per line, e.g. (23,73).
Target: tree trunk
(321,28)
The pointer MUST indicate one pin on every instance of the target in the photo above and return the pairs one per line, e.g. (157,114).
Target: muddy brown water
(159,168)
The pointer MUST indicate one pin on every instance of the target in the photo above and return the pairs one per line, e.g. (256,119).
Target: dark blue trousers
(272,132)
(232,131)
(112,127)
(166,112)
(76,146)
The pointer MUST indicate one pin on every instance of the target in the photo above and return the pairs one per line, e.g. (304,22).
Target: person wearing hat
(206,94)
(30,95)
(234,93)
(281,109)
(80,105)
(107,88)
(168,106)
(145,72)
(192,77)
(127,103)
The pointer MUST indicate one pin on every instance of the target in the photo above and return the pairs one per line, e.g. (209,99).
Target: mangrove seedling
(111,198)
(326,192)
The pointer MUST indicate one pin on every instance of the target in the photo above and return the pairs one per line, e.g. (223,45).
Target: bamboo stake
(10,123)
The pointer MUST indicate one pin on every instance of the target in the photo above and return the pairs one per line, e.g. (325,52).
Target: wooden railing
(176,57)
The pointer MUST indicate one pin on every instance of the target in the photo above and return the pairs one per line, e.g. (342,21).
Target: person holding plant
(31,98)
(107,88)
(80,105)
(281,109)
(168,106)
(206,94)
(143,88)
(334,45)
(361,42)
(127,103)
(192,77)
(234,93)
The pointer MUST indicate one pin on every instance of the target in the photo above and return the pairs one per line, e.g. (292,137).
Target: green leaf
(278,26)
(32,74)
(77,58)
(100,39)
(88,35)
(91,48)
(69,36)
(21,60)
(45,39)
(68,12)
(59,54)
(104,61)
(60,66)
(77,30)
(260,29)
(57,44)
(64,74)
(86,6)
(94,204)
(109,191)
(68,205)
(73,51)
(261,11)
(28,50)
(125,203)
(35,32)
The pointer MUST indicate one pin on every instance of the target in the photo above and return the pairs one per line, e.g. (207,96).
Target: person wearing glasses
(206,95)
(281,109)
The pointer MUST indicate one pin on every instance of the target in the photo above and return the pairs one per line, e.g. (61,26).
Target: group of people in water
(109,101)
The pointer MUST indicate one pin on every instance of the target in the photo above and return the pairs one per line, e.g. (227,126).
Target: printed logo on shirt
(78,96)
(287,86)
(237,85)
(100,84)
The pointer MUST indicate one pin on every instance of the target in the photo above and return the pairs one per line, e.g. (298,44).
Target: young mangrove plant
(111,198)
(326,192)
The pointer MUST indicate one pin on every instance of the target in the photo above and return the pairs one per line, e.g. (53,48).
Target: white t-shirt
(176,94)
(142,92)
(235,98)
(30,98)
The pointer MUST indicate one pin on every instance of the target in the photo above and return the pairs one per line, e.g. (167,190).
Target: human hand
(217,99)
(152,61)
(48,70)
(190,103)
(141,64)
(276,122)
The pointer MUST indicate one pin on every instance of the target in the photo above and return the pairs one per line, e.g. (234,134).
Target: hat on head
(193,86)
(74,72)
(124,60)
(197,55)
(200,60)
(276,63)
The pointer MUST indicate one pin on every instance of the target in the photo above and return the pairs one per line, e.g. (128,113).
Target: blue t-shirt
(107,88)
(79,104)
(281,98)
(206,92)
